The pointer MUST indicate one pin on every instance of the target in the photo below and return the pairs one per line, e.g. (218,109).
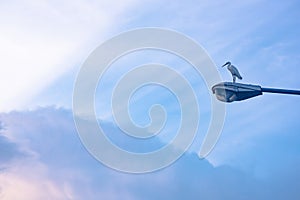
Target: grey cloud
(8,149)
(51,134)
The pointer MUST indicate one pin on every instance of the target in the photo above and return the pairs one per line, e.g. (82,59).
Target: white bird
(233,70)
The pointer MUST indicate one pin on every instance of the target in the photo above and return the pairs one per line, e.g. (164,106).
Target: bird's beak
(225,64)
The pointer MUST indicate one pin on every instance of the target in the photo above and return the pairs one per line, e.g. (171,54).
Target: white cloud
(25,182)
(40,40)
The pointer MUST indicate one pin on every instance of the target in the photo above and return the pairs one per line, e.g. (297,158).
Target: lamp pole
(280,91)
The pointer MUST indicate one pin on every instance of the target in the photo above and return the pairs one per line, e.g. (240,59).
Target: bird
(233,70)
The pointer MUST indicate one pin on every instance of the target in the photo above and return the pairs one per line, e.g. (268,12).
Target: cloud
(8,151)
(59,167)
(17,185)
(41,40)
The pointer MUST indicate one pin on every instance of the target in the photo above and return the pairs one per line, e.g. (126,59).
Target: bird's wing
(235,72)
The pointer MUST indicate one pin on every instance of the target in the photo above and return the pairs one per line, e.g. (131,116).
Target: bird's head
(228,63)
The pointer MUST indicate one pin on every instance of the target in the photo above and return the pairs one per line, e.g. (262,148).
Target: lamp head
(229,92)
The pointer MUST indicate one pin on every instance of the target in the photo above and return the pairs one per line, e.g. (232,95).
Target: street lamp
(232,91)
(229,91)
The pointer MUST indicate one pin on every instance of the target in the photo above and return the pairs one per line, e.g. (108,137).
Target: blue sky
(44,44)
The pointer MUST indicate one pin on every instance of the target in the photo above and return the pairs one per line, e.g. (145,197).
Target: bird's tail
(240,77)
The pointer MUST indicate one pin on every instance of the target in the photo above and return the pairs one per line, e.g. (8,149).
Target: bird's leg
(233,78)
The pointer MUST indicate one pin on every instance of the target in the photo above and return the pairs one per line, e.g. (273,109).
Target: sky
(45,43)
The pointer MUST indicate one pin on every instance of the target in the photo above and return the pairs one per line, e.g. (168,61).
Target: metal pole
(280,91)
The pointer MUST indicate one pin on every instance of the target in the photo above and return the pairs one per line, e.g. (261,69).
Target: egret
(233,70)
